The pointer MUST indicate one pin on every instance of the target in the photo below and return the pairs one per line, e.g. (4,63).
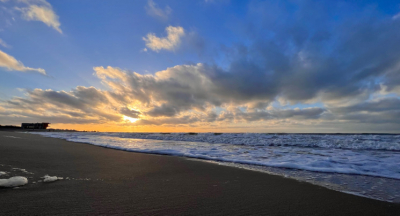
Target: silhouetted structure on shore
(34,125)
(9,127)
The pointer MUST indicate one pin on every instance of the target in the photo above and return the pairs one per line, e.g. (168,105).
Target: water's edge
(375,187)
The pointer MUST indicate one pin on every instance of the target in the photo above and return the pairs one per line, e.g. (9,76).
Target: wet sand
(111,182)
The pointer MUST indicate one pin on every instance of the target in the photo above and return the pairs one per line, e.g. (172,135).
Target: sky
(201,65)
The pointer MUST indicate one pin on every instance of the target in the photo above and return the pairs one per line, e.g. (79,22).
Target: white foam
(12,137)
(22,170)
(13,181)
(48,178)
(2,173)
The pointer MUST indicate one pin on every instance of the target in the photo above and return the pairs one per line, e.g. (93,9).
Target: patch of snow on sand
(48,178)
(13,181)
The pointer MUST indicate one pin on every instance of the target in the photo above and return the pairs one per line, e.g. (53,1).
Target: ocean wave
(370,155)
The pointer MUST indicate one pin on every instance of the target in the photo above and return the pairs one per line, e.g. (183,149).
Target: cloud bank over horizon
(192,95)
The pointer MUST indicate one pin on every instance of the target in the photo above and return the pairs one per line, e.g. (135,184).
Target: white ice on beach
(2,173)
(13,181)
(48,178)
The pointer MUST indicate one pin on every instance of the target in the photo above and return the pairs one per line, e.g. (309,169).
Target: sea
(366,165)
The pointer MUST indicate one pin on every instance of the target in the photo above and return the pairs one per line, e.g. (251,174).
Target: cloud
(81,105)
(129,112)
(380,105)
(397,16)
(182,87)
(186,88)
(306,113)
(41,10)
(305,58)
(170,42)
(10,63)
(4,44)
(153,10)
(163,110)
(181,95)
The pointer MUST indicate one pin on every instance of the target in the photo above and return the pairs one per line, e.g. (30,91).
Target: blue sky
(216,65)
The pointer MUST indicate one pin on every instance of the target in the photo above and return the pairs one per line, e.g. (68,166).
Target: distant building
(34,125)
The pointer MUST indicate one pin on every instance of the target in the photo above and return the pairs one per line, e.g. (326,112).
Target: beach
(102,181)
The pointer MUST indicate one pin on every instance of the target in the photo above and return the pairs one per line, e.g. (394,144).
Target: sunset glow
(132,120)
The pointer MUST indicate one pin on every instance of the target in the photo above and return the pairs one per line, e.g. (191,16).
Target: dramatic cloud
(179,95)
(183,95)
(182,87)
(130,113)
(153,10)
(186,88)
(10,63)
(41,10)
(305,59)
(81,105)
(170,42)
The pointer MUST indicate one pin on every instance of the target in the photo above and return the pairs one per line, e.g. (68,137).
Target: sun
(132,120)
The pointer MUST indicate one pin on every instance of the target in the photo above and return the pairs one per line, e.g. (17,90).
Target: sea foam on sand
(48,178)
(13,181)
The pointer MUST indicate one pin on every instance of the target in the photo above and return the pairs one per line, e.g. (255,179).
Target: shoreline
(323,184)
(190,133)
(142,183)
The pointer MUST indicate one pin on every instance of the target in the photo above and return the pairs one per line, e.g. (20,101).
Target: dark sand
(143,184)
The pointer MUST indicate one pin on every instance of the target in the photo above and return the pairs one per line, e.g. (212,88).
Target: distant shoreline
(19,129)
(215,133)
